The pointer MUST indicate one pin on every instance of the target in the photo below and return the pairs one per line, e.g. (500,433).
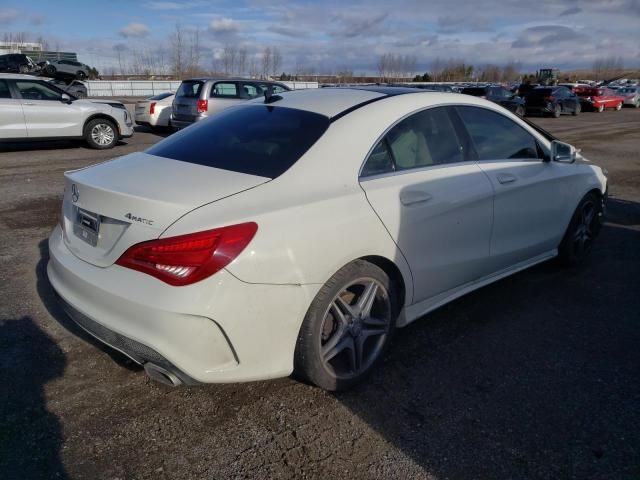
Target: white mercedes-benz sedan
(293,234)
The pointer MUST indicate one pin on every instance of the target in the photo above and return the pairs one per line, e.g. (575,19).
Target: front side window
(225,89)
(496,137)
(279,89)
(36,91)
(252,91)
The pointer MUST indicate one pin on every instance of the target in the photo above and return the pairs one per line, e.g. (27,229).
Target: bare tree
(120,49)
(254,67)
(177,48)
(241,61)
(276,60)
(266,62)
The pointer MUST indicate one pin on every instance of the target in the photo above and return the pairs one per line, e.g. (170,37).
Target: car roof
(229,79)
(335,101)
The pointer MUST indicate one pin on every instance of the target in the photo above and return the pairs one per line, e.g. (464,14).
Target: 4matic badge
(134,218)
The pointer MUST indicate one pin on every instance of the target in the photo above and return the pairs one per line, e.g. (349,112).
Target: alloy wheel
(102,134)
(584,232)
(355,328)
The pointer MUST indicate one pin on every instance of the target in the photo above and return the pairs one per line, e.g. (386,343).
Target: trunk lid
(113,205)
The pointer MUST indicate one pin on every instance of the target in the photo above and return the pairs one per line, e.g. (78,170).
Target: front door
(530,197)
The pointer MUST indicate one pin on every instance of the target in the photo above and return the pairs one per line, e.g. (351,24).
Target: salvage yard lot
(536,376)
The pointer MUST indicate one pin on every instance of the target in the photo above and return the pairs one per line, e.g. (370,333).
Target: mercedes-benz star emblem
(75,193)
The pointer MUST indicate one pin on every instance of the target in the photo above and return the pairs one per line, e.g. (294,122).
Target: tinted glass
(252,91)
(4,89)
(542,92)
(495,136)
(160,96)
(254,139)
(379,161)
(189,89)
(224,89)
(475,91)
(279,89)
(36,91)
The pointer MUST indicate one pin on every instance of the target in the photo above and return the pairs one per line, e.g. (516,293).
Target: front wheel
(101,134)
(582,231)
(600,108)
(50,70)
(619,106)
(81,75)
(557,111)
(348,327)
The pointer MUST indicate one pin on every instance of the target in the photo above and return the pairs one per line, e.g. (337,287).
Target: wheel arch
(103,116)
(394,272)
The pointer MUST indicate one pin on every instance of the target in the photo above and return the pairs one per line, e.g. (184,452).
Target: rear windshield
(189,89)
(160,96)
(252,139)
(475,91)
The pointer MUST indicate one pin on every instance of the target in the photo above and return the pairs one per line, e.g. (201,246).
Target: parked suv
(33,109)
(17,63)
(200,98)
(75,87)
(500,95)
(58,68)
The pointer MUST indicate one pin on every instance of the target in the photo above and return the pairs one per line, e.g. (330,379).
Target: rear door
(46,115)
(12,124)
(434,200)
(530,195)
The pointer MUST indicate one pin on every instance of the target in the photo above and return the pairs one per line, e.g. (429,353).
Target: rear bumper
(216,331)
(183,122)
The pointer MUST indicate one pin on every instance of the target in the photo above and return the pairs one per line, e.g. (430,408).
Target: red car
(598,98)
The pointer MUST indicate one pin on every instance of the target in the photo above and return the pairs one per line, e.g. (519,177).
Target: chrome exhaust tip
(161,375)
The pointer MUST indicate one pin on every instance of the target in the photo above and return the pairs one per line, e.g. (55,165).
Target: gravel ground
(536,376)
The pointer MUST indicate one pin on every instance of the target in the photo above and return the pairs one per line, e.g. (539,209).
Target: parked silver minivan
(200,98)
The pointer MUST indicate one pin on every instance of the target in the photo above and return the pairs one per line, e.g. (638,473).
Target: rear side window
(225,89)
(279,89)
(496,137)
(475,91)
(424,139)
(252,139)
(189,89)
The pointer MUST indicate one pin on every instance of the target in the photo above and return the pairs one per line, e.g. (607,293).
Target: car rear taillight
(187,259)
(203,106)
(550,98)
(152,108)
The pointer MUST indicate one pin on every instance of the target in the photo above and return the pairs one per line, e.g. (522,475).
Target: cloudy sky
(333,34)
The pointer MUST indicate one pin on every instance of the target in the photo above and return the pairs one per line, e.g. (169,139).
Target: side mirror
(563,152)
(65,98)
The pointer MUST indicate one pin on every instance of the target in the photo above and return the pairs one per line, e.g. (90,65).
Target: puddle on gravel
(32,213)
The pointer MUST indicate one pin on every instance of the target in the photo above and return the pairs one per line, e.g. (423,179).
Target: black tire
(92,130)
(599,109)
(557,111)
(23,69)
(582,231)
(577,110)
(322,328)
(50,70)
(81,75)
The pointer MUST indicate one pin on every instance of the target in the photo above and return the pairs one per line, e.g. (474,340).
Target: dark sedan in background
(500,95)
(553,101)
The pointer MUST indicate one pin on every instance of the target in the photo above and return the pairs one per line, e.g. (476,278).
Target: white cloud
(136,30)
(224,25)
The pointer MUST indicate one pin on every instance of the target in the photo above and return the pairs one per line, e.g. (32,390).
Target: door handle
(506,178)
(412,197)
(25,103)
